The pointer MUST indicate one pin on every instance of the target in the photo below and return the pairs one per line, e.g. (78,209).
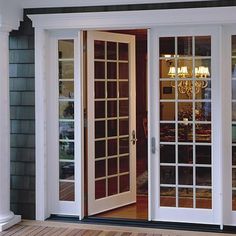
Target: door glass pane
(111,50)
(167,153)
(99,49)
(185,197)
(124,183)
(66,69)
(66,150)
(203,198)
(202,46)
(66,110)
(123,51)
(100,188)
(167,89)
(66,120)
(185,45)
(67,191)
(167,197)
(112,123)
(99,89)
(99,70)
(185,121)
(112,186)
(66,130)
(67,170)
(167,174)
(167,47)
(66,89)
(111,70)
(66,49)
(123,71)
(167,111)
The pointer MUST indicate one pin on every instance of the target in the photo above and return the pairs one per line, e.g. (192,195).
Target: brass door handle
(134,139)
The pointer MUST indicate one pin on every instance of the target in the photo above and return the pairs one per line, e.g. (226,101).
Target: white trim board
(71,3)
(134,19)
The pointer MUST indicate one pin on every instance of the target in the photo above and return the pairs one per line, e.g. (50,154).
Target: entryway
(117,124)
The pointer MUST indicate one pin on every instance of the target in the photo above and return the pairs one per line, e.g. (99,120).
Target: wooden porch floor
(50,228)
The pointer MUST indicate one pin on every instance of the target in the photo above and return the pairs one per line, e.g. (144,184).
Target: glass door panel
(112,114)
(66,120)
(181,121)
(185,121)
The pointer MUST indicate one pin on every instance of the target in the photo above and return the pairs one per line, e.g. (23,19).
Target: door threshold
(159,225)
(209,228)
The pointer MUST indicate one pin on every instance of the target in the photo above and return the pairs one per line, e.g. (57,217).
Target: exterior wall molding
(134,19)
(7,218)
(11,13)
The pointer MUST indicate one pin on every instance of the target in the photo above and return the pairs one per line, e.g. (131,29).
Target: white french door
(64,125)
(229,126)
(183,118)
(111,121)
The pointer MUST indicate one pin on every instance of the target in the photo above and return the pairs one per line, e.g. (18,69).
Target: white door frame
(228,214)
(120,199)
(212,216)
(105,20)
(52,114)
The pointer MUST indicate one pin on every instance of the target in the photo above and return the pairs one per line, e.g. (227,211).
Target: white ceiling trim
(78,3)
(135,19)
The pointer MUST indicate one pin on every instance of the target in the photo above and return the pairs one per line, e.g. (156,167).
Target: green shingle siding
(22,115)
(21,70)
(22,126)
(22,84)
(25,98)
(21,56)
(22,154)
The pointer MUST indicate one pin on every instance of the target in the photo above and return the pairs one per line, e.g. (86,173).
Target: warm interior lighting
(186,87)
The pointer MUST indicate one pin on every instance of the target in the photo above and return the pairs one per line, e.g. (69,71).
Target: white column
(7,218)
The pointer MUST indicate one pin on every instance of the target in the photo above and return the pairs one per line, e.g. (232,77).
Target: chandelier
(186,86)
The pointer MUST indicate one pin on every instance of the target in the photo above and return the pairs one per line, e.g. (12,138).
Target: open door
(111,121)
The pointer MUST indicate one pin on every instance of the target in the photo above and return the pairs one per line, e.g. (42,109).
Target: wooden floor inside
(136,211)
(50,228)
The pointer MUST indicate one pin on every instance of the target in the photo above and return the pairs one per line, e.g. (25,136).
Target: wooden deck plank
(50,228)
(35,232)
(58,232)
(12,230)
(52,231)
(107,233)
(26,229)
(68,232)
(44,231)
(73,232)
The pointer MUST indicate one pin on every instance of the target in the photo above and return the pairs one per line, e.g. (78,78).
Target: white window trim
(104,20)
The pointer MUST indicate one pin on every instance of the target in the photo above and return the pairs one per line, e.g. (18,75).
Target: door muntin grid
(185,122)
(66,119)
(111,109)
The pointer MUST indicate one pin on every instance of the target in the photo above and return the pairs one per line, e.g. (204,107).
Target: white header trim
(134,19)
(71,3)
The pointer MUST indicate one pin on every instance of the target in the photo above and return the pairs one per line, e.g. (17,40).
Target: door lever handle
(134,139)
